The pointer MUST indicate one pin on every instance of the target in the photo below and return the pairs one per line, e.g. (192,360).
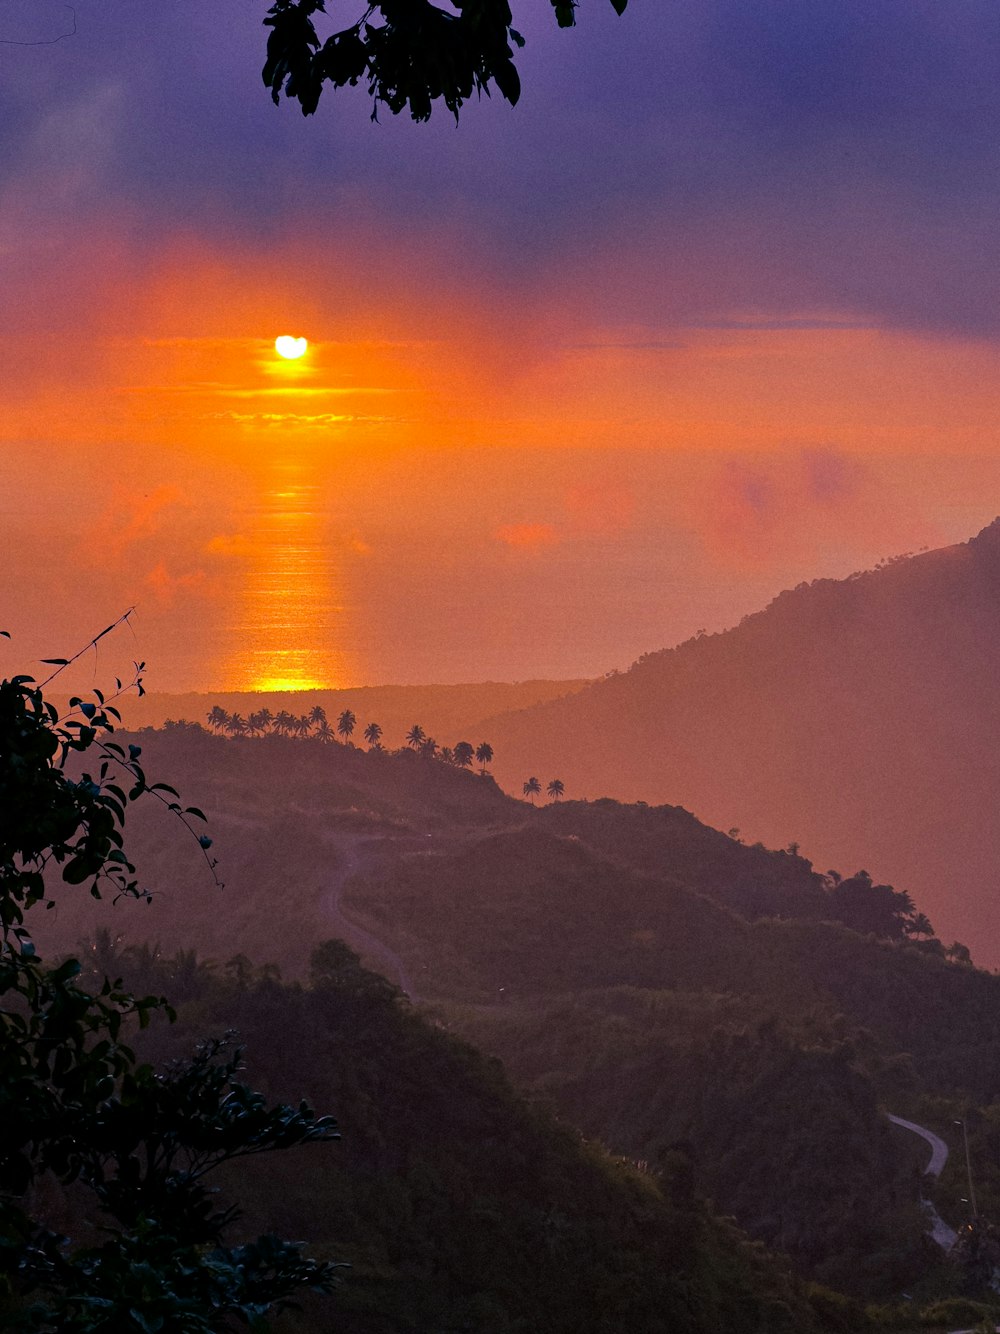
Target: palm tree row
(314,723)
(532,788)
(461,754)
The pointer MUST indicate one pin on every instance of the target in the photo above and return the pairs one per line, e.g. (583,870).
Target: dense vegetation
(666,988)
(91,1135)
(458,1205)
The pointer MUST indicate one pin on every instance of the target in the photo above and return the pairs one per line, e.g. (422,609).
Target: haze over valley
(499,659)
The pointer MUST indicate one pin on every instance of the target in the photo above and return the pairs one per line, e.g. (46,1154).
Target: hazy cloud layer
(692,161)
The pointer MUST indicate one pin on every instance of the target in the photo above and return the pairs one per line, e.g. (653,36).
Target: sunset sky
(714,310)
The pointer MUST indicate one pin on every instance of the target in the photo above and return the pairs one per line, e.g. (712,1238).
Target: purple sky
(839,155)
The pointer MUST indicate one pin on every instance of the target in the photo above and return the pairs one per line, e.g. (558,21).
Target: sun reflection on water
(291,621)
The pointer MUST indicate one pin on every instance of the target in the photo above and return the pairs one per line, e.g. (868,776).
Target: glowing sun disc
(287,346)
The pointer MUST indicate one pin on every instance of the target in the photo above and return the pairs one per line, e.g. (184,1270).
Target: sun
(290,348)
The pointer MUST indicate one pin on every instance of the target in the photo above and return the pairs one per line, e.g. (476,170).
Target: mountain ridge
(856,718)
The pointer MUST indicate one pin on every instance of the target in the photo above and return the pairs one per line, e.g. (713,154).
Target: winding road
(357,852)
(352,858)
(939,1230)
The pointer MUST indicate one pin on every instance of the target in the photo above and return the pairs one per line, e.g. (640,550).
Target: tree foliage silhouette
(484,756)
(464,754)
(417,54)
(78,1107)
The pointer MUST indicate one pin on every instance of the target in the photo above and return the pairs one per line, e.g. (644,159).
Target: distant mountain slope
(859,718)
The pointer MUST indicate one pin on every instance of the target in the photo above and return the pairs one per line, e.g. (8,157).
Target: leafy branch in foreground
(79,1110)
(418,54)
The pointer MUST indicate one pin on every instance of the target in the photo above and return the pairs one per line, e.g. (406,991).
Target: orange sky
(442,489)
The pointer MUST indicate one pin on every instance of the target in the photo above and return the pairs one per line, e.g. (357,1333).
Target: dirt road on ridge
(352,859)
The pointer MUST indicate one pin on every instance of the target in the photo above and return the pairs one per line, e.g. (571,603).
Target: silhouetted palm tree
(325,732)
(284,724)
(107,952)
(428,748)
(266,718)
(217,718)
(255,724)
(484,756)
(236,725)
(919,925)
(301,725)
(532,788)
(556,788)
(317,716)
(446,755)
(416,736)
(345,724)
(373,735)
(464,754)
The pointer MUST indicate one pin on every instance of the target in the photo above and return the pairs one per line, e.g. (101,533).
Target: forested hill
(458,1206)
(659,981)
(291,817)
(858,717)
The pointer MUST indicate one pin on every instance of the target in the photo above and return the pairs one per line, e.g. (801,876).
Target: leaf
(75,872)
(71,968)
(55,662)
(506,78)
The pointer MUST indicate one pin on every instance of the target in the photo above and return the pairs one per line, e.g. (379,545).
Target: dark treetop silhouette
(78,1108)
(417,54)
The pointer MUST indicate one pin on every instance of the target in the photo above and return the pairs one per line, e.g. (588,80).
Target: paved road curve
(939,1150)
(939,1229)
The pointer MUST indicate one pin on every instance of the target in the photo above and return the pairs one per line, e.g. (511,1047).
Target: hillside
(628,963)
(291,819)
(858,718)
(457,1206)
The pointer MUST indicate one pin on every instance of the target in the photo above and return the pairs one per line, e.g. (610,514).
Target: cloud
(294,418)
(527,536)
(797,509)
(774,157)
(230,544)
(829,477)
(168,588)
(129,519)
(765,325)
